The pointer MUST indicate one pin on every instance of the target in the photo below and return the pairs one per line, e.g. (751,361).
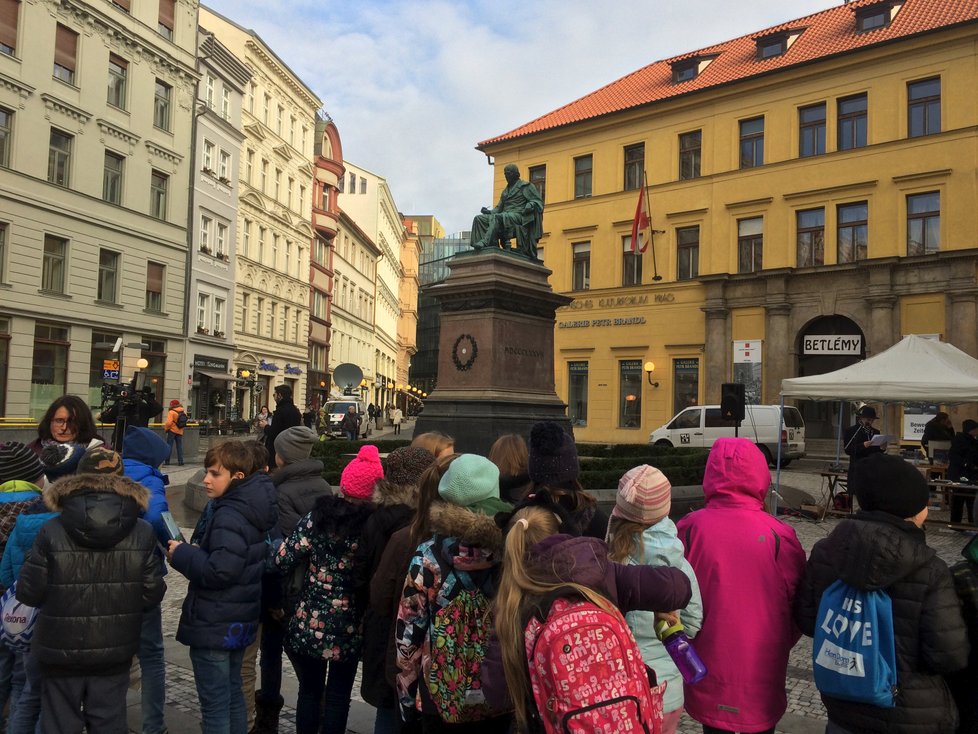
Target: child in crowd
(510,454)
(748,565)
(884,547)
(437,443)
(324,633)
(299,483)
(143,452)
(395,499)
(85,642)
(640,532)
(964,684)
(221,612)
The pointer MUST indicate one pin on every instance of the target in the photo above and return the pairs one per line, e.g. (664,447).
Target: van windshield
(339,407)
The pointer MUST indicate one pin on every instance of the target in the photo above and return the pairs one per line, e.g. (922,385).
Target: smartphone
(172,529)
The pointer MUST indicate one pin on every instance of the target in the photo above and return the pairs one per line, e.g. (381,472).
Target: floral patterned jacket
(464,541)
(326,622)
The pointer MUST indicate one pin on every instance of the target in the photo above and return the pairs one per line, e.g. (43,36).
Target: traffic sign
(110,374)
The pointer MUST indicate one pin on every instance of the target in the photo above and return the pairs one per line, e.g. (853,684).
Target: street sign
(110,364)
(110,374)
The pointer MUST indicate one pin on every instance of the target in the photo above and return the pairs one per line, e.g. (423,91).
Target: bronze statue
(518,214)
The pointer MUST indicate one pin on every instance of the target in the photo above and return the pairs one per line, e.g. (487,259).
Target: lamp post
(249,381)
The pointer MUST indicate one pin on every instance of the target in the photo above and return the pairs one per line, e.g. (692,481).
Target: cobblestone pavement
(805,713)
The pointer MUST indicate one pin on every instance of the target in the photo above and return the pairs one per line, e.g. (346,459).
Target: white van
(334,410)
(700,425)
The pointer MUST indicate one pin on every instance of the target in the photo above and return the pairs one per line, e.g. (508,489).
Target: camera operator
(136,407)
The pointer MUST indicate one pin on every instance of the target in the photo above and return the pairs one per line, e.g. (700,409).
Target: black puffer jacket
(964,685)
(92,572)
(297,487)
(880,551)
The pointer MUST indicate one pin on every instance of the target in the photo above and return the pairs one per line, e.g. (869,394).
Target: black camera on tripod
(122,397)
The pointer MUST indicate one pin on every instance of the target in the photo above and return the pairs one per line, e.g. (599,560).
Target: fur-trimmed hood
(388,494)
(97,510)
(468,527)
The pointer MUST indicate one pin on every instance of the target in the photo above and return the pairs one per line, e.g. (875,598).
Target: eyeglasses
(62,421)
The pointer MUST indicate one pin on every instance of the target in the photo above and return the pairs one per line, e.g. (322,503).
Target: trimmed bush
(336,454)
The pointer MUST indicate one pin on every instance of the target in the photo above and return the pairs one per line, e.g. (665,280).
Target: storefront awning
(215,375)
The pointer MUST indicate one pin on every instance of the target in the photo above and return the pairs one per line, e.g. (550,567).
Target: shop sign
(203,362)
(747,352)
(270,366)
(585,323)
(848,344)
(290,370)
(620,301)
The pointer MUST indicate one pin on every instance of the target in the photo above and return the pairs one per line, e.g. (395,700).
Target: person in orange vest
(176,420)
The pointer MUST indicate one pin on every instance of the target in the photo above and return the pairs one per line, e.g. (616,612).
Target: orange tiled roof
(827,33)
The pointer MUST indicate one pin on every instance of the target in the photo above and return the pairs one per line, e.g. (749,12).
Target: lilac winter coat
(748,565)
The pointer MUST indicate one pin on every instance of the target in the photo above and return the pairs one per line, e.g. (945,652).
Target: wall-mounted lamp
(649,369)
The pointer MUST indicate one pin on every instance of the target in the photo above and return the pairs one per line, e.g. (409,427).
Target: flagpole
(648,206)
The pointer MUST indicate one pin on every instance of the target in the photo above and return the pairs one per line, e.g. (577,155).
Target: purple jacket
(748,565)
(584,561)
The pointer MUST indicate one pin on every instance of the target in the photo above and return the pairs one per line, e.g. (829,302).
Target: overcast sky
(414,85)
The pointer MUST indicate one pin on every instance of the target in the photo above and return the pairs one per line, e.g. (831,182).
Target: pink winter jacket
(748,565)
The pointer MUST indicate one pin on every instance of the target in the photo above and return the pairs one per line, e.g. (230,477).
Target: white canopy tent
(915,369)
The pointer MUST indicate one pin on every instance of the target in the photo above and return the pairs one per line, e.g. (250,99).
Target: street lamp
(649,368)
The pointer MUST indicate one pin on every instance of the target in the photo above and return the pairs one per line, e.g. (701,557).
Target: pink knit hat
(644,496)
(360,475)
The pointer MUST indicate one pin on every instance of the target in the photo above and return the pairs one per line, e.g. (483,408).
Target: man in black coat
(857,442)
(963,465)
(286,415)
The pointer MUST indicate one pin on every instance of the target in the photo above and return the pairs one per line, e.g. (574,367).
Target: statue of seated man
(518,214)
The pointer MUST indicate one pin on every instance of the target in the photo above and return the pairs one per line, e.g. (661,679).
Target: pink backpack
(587,673)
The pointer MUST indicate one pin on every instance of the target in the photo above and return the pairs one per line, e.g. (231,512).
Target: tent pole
(777,481)
(838,438)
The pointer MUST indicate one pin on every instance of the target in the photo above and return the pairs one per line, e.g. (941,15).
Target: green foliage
(336,454)
(602,465)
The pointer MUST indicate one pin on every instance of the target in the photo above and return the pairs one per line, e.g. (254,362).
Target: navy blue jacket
(224,598)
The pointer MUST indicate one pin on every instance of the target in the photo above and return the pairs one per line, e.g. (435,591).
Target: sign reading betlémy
(851,344)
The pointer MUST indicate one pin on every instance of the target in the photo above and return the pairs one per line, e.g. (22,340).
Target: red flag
(640,223)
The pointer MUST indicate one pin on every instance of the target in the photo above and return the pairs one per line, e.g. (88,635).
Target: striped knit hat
(17,461)
(644,496)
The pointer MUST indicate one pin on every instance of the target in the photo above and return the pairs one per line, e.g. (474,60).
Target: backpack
(182,419)
(853,650)
(587,674)
(16,621)
(455,662)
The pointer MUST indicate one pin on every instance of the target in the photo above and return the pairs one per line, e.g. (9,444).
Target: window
(688,252)
(631,263)
(156,356)
(288,192)
(341,187)
(363,185)
(224,167)
(924,102)
(811,130)
(118,72)
(320,251)
(353,183)
(266,101)
(53,264)
(750,240)
(292,130)
(59,157)
(685,71)
(65,52)
(220,240)
(6,136)
(852,122)
(577,393)
(752,142)
(685,385)
(634,166)
(278,184)
(250,167)
(9,10)
(690,145)
(582,266)
(538,177)
(923,223)
(272,319)
(852,234)
(274,262)
(3,262)
(318,304)
(261,244)
(102,343)
(205,232)
(225,103)
(811,237)
(159,182)
(161,105)
(582,177)
(278,121)
(203,306)
(871,18)
(208,159)
(165,23)
(245,312)
(770,47)
(108,276)
(219,304)
(112,178)
(49,370)
(246,238)
(264,175)
(288,257)
(154,286)
(209,90)
(286,321)
(630,393)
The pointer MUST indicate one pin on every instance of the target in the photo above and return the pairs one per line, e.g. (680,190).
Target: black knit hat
(17,461)
(406,464)
(889,484)
(968,426)
(553,455)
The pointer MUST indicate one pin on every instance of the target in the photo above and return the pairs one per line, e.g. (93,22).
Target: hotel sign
(848,344)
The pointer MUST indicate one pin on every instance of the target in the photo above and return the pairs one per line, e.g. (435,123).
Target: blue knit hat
(472,481)
(61,459)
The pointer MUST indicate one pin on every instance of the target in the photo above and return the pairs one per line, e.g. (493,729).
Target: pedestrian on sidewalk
(396,417)
(176,419)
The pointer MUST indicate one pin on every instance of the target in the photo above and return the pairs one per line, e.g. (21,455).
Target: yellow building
(815,179)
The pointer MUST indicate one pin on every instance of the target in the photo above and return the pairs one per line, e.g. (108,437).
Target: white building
(271,318)
(95,127)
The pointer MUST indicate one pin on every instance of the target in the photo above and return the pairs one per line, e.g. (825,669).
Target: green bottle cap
(663,629)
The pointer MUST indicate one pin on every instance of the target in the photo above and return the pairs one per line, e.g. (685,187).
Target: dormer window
(876,16)
(776,44)
(689,68)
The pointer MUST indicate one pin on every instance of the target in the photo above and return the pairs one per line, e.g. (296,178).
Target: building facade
(96,106)
(271,317)
(811,203)
(214,231)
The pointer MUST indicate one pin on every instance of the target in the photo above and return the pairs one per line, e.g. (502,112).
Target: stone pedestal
(496,351)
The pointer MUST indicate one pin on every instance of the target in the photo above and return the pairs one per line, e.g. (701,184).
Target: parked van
(334,410)
(700,425)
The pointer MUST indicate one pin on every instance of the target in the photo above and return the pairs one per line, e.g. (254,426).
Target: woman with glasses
(67,420)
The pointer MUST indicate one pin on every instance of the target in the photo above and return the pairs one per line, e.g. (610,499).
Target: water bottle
(681,651)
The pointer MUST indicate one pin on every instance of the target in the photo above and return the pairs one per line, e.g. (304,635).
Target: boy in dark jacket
(92,572)
(964,685)
(884,547)
(220,614)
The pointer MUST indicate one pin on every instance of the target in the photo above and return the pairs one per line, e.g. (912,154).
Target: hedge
(336,454)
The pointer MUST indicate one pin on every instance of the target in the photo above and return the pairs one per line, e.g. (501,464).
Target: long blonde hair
(520,590)
(625,539)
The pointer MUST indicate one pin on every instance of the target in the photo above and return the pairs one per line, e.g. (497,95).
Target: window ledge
(54,294)
(154,312)
(109,304)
